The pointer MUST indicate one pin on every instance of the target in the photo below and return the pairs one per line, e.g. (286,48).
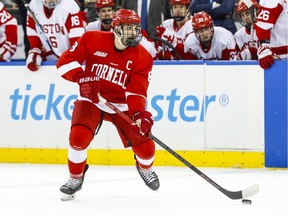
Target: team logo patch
(101,54)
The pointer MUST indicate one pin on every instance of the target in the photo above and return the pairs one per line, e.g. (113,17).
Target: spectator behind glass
(221,12)
(157,12)
(208,42)
(8,34)
(245,37)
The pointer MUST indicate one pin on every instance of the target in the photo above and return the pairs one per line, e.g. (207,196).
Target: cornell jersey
(61,28)
(272,23)
(121,73)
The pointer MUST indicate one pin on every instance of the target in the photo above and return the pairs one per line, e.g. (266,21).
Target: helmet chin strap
(118,42)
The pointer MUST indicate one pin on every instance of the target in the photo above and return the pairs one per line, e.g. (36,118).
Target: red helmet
(182,2)
(125,16)
(201,20)
(244,5)
(104,3)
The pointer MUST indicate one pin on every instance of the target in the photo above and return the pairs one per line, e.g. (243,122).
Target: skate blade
(67,197)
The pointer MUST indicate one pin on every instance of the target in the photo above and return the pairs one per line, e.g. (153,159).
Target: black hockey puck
(246,201)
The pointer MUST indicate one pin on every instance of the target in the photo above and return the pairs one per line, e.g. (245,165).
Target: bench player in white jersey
(272,29)
(245,37)
(62,25)
(208,42)
(172,30)
(8,34)
(119,69)
(105,10)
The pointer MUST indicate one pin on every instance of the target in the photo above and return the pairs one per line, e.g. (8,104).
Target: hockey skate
(149,177)
(72,186)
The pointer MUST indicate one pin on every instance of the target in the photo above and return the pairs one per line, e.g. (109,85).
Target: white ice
(33,190)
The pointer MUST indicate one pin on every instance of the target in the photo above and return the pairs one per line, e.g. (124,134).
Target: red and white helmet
(126,17)
(180,2)
(104,3)
(247,5)
(51,4)
(201,20)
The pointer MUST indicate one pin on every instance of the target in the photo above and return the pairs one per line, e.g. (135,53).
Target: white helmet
(51,4)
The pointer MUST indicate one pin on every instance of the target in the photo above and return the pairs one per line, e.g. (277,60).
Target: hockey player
(272,29)
(245,37)
(208,42)
(120,70)
(105,10)
(172,30)
(61,25)
(8,34)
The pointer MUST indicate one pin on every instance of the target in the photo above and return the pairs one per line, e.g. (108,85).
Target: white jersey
(92,26)
(5,19)
(244,38)
(60,28)
(222,47)
(170,24)
(272,23)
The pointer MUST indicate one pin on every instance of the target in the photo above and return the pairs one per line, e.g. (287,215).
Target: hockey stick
(248,192)
(38,25)
(167,44)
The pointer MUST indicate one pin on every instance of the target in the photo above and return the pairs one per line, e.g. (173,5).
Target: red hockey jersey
(122,73)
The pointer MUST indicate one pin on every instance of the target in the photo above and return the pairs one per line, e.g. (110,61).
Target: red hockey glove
(7,50)
(89,86)
(34,59)
(265,56)
(143,123)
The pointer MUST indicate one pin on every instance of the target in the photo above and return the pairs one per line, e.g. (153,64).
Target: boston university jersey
(222,47)
(272,23)
(244,38)
(8,34)
(121,73)
(61,28)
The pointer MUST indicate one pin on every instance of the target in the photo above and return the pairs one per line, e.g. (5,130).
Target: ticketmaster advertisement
(195,107)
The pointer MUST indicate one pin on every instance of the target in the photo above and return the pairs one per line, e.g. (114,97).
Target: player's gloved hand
(166,35)
(247,53)
(89,85)
(265,56)
(143,123)
(7,50)
(34,59)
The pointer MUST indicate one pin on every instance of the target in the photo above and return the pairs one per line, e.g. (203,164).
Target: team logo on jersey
(101,54)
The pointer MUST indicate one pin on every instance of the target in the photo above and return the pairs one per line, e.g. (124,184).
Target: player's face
(106,13)
(205,34)
(131,33)
(246,17)
(179,10)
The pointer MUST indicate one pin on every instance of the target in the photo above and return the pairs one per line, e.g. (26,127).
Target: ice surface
(33,190)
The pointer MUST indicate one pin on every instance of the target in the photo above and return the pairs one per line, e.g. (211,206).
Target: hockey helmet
(180,2)
(201,20)
(126,27)
(51,4)
(247,5)
(104,3)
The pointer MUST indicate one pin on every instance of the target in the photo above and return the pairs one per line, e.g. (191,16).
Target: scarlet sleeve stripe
(68,67)
(76,32)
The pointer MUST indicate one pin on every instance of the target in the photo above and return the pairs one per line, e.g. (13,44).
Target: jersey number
(4,16)
(53,41)
(264,15)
